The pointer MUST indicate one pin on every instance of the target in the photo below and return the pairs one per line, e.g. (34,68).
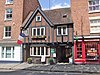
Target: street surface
(26,72)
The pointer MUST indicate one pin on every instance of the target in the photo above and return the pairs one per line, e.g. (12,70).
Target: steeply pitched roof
(53,17)
(31,16)
(29,5)
(59,16)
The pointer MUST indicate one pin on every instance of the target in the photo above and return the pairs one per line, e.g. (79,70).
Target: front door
(61,54)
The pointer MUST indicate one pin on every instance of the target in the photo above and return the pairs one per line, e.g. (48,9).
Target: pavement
(52,68)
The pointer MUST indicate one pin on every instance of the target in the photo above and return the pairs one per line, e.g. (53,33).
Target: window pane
(9,1)
(8,13)
(34,31)
(38,50)
(42,50)
(2,52)
(34,50)
(38,31)
(42,31)
(59,30)
(13,53)
(8,52)
(64,30)
(47,51)
(8,31)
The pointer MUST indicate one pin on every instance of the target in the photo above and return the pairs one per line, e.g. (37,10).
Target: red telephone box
(87,51)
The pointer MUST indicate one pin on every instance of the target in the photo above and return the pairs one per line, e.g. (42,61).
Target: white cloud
(60,5)
(45,8)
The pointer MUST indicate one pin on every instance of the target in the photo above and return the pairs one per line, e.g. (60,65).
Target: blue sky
(54,4)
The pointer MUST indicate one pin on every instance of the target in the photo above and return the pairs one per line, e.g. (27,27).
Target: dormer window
(65,15)
(9,1)
(38,18)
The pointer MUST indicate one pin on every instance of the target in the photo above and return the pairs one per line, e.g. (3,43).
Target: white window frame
(6,13)
(66,33)
(36,31)
(6,37)
(4,52)
(94,26)
(96,10)
(32,51)
(38,20)
(9,2)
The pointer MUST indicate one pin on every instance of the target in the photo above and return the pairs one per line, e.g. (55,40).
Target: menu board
(92,52)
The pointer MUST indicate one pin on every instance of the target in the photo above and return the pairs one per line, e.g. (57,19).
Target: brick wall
(79,9)
(20,10)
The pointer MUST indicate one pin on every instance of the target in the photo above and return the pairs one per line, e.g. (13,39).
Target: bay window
(39,51)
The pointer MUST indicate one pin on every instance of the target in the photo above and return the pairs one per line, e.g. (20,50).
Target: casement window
(39,51)
(38,18)
(62,30)
(39,31)
(9,1)
(7,52)
(94,5)
(7,32)
(8,14)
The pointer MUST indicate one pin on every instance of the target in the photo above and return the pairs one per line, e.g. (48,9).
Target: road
(24,72)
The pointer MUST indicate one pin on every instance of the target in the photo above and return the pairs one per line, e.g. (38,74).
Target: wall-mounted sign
(52,50)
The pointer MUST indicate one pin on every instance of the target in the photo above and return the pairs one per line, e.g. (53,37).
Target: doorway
(61,55)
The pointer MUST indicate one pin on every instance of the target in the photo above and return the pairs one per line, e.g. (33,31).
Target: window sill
(95,11)
(7,20)
(9,3)
(62,35)
(6,37)
(40,55)
(35,37)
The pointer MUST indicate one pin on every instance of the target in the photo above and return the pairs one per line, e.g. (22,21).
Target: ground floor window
(7,52)
(91,50)
(39,51)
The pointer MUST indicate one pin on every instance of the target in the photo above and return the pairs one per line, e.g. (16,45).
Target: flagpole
(49,4)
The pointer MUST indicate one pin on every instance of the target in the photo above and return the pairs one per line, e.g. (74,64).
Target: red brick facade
(79,10)
(87,46)
(20,10)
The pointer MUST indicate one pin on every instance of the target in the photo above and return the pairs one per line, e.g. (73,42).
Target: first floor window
(38,31)
(39,51)
(7,31)
(94,5)
(7,52)
(9,1)
(62,30)
(8,14)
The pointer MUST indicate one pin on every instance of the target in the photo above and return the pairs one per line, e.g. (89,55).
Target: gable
(32,16)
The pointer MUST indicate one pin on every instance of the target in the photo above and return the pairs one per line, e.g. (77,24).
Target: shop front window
(91,50)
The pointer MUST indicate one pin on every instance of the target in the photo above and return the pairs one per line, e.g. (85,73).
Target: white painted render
(17,54)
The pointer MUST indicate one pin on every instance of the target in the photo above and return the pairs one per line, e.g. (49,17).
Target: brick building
(86,18)
(12,15)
